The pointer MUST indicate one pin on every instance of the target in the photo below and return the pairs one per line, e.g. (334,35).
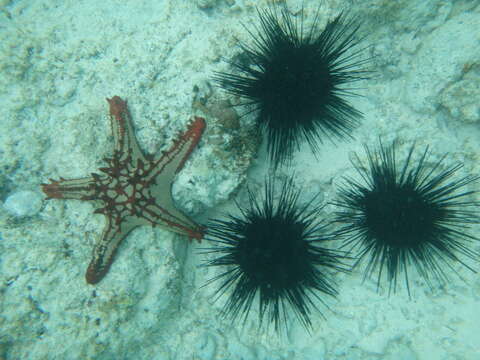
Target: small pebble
(23,203)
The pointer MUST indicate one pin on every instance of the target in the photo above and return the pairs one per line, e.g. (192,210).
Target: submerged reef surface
(60,60)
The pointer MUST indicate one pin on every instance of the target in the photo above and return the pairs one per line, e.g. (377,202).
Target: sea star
(133,190)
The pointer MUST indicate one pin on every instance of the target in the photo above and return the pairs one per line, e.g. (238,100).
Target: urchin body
(407,214)
(297,80)
(273,251)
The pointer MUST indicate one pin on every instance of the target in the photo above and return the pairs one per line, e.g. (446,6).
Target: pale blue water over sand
(59,60)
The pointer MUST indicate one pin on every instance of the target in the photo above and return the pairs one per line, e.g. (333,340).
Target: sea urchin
(408,214)
(272,250)
(297,79)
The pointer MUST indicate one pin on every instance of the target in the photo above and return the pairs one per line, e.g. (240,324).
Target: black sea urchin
(297,80)
(272,250)
(399,215)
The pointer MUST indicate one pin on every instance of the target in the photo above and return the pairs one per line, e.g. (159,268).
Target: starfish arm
(105,249)
(80,189)
(169,218)
(122,129)
(172,160)
(161,178)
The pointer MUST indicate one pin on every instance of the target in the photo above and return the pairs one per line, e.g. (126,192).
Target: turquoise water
(61,59)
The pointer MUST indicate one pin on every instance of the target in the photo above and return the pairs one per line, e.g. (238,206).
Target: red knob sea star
(133,189)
